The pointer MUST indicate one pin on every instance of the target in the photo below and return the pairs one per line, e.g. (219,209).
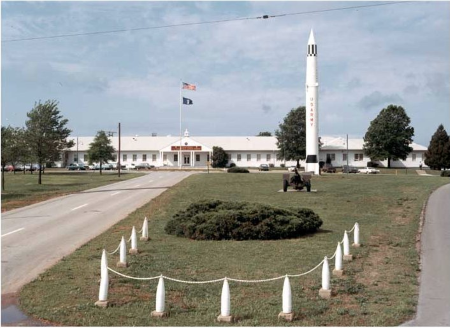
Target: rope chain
(114,251)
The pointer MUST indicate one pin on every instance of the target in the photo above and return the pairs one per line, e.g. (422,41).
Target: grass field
(379,287)
(23,189)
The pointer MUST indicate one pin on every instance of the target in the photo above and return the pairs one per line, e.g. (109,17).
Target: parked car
(144,166)
(291,168)
(263,167)
(105,166)
(349,169)
(76,167)
(32,167)
(328,168)
(369,170)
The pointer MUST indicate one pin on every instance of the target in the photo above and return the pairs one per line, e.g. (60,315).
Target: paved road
(434,295)
(37,236)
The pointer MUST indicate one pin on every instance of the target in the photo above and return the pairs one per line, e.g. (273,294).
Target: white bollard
(160,300)
(347,255)
(133,249)
(325,291)
(356,236)
(104,282)
(286,312)
(123,254)
(338,262)
(145,230)
(225,304)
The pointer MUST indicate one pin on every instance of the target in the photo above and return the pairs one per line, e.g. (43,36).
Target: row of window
(258,157)
(357,157)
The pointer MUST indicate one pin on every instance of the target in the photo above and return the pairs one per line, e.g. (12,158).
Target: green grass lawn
(379,288)
(23,189)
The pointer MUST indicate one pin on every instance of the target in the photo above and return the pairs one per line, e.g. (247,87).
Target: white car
(369,170)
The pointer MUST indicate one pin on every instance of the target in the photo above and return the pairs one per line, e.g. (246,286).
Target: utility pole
(348,169)
(118,157)
(77,151)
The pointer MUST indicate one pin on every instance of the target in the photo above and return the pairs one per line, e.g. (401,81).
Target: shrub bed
(236,169)
(218,220)
(445,173)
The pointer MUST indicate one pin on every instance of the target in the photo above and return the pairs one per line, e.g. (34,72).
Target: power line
(203,23)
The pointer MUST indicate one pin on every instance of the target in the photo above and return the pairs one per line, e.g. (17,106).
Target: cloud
(354,83)
(377,99)
(411,89)
(266,108)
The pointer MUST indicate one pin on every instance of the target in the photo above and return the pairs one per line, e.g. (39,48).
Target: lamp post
(118,157)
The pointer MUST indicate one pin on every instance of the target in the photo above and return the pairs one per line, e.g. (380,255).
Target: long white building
(248,151)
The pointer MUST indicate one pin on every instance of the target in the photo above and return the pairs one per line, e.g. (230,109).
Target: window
(207,157)
(344,157)
(238,157)
(175,158)
(154,158)
(197,157)
(124,157)
(268,157)
(413,157)
(75,158)
(134,157)
(249,157)
(85,158)
(144,157)
(359,157)
(258,157)
(331,157)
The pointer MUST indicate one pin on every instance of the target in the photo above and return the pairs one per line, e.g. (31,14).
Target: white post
(286,312)
(347,255)
(225,307)
(338,262)
(123,254)
(356,236)
(325,291)
(145,230)
(134,248)
(160,300)
(287,296)
(104,282)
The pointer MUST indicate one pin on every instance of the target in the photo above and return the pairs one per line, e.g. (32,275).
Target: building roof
(149,143)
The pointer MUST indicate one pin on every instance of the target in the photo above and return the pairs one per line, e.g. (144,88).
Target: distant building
(243,151)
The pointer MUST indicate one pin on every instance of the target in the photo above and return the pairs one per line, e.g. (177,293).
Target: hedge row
(218,220)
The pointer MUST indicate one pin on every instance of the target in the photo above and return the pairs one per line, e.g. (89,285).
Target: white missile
(312,108)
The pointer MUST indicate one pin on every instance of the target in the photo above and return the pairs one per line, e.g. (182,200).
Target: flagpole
(179,152)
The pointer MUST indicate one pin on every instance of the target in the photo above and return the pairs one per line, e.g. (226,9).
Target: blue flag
(187,101)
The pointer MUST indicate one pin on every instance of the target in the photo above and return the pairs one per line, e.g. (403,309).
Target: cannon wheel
(308,187)
(285,185)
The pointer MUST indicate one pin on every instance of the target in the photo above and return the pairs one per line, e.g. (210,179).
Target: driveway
(434,295)
(37,236)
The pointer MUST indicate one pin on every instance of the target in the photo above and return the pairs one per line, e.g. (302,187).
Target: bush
(282,165)
(237,170)
(232,164)
(271,165)
(218,220)
(445,173)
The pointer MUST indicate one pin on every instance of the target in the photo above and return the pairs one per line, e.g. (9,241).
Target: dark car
(328,168)
(144,166)
(263,167)
(76,167)
(349,169)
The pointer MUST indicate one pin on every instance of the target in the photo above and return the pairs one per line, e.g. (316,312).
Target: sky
(249,73)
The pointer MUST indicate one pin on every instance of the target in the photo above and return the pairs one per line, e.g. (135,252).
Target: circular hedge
(218,220)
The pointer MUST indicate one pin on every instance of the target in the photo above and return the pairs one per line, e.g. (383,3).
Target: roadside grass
(379,288)
(23,189)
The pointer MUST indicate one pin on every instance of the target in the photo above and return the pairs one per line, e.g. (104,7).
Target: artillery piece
(297,181)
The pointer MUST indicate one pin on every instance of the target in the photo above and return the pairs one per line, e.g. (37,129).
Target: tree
(438,154)
(101,150)
(219,157)
(265,134)
(389,135)
(46,134)
(291,136)
(7,137)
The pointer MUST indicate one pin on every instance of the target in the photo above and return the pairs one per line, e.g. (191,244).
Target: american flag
(189,86)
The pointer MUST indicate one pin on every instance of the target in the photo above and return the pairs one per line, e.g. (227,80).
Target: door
(187,159)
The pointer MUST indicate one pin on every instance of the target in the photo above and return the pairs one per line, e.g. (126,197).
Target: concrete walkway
(434,295)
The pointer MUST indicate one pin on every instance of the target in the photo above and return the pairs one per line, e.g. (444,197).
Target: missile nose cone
(311,39)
